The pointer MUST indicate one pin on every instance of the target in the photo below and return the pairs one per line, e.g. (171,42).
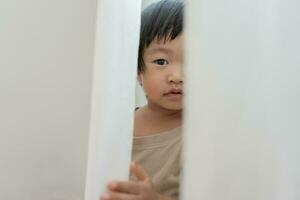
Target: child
(157,130)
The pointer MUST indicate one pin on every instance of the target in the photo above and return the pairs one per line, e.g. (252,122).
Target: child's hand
(133,190)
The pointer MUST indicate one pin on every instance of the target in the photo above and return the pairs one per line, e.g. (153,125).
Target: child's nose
(176,76)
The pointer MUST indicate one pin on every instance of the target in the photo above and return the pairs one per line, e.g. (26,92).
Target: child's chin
(174,107)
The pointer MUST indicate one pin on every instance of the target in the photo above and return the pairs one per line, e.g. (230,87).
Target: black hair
(160,20)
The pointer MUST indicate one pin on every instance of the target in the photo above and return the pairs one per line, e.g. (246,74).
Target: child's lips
(174,94)
(175,91)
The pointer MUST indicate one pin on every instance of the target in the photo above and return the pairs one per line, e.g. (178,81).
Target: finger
(104,197)
(129,187)
(139,172)
(118,196)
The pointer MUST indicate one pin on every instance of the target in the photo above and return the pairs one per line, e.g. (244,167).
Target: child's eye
(161,61)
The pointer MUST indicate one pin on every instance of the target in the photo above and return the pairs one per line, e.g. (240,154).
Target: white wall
(46,51)
(145,3)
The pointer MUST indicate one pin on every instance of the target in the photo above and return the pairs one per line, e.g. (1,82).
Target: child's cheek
(152,91)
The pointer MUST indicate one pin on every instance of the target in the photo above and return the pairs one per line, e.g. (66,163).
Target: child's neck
(160,113)
(151,120)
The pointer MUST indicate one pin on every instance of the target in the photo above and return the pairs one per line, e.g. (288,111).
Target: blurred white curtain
(113,98)
(243,100)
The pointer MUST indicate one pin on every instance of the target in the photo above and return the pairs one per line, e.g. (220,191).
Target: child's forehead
(165,45)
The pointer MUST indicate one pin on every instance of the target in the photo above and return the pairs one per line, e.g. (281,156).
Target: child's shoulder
(139,122)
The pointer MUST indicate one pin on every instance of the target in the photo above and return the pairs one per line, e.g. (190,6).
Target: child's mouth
(174,94)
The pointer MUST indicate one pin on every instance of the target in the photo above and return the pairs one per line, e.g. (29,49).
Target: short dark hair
(160,20)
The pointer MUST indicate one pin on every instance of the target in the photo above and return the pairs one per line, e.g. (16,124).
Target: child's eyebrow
(160,49)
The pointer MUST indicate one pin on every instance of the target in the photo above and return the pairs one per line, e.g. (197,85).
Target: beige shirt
(160,155)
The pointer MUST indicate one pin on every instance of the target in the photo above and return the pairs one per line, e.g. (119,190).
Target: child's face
(162,79)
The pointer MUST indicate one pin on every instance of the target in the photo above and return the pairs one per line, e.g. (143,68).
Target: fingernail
(113,185)
(105,197)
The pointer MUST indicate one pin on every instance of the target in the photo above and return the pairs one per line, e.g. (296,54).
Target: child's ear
(139,79)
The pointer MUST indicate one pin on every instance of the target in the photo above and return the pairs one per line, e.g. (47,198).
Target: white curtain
(242,107)
(113,100)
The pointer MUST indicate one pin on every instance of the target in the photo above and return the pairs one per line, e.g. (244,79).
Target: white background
(46,52)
